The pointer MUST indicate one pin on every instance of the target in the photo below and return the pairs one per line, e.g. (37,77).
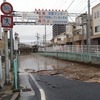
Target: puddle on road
(42,65)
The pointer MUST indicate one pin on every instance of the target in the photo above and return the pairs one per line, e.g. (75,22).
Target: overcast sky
(27,33)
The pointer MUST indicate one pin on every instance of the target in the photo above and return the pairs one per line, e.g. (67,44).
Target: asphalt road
(60,88)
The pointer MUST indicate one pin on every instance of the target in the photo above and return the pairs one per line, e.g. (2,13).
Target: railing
(76,53)
(94,49)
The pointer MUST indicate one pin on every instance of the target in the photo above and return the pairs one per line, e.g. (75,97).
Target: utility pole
(84,16)
(45,37)
(82,34)
(11,48)
(0,70)
(45,48)
(43,40)
(88,34)
(7,76)
(37,38)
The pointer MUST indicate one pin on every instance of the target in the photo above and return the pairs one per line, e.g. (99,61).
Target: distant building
(59,39)
(76,33)
(58,29)
(69,32)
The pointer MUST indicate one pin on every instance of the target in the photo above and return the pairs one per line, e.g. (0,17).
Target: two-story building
(96,25)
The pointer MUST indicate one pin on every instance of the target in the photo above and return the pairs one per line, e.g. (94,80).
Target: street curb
(15,96)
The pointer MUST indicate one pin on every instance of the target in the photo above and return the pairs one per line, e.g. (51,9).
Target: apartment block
(58,29)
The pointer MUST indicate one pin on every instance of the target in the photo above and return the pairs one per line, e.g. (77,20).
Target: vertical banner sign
(0,67)
(15,45)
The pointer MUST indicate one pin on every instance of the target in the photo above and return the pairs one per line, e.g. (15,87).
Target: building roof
(96,6)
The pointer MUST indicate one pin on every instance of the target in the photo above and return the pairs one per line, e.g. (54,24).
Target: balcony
(77,37)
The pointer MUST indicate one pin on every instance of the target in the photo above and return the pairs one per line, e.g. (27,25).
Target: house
(69,33)
(96,25)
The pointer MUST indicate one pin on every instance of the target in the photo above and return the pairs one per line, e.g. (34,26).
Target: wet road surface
(55,87)
(36,62)
(28,91)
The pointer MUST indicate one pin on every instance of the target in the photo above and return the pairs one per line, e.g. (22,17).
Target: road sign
(6,8)
(7,21)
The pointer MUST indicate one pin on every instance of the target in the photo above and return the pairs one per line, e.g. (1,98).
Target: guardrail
(76,53)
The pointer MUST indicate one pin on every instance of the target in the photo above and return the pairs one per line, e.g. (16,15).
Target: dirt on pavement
(74,71)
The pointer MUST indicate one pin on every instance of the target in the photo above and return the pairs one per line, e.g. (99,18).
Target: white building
(60,38)
(96,25)
(96,19)
(69,29)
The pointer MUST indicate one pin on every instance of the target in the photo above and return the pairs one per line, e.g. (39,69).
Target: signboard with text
(51,17)
(30,16)
(27,15)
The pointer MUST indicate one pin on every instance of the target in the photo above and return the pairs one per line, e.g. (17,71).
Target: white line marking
(43,97)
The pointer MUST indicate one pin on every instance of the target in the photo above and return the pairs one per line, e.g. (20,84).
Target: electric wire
(71,18)
(79,5)
(55,4)
(60,3)
(87,5)
(70,4)
(64,3)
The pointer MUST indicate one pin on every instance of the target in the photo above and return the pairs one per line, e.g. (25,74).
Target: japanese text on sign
(52,17)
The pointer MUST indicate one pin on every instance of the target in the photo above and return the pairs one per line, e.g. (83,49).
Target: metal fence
(74,52)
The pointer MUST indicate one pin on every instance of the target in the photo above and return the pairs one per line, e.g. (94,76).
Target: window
(97,14)
(58,39)
(97,28)
(77,33)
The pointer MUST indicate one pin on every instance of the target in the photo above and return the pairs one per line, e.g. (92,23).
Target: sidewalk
(6,93)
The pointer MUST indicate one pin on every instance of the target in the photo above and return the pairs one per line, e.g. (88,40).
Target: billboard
(27,15)
(49,17)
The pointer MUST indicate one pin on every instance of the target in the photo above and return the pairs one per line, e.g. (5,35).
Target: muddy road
(48,66)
